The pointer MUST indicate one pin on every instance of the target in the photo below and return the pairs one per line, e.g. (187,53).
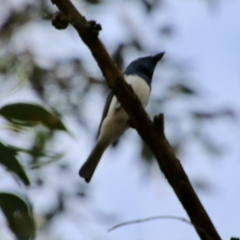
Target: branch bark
(151,133)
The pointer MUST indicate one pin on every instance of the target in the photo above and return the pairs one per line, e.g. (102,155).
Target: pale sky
(207,38)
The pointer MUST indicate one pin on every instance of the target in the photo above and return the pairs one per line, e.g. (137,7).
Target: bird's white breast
(140,87)
(116,120)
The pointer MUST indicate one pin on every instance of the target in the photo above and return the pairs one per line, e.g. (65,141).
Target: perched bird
(114,118)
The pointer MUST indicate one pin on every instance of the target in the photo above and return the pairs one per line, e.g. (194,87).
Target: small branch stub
(60,21)
(95,28)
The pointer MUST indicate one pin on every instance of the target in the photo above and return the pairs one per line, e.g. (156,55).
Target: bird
(114,118)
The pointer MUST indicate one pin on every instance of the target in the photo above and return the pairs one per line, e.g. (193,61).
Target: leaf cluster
(18,210)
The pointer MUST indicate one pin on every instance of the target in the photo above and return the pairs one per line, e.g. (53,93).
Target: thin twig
(161,217)
(149,219)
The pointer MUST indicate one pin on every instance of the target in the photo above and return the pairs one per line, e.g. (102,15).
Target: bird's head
(144,67)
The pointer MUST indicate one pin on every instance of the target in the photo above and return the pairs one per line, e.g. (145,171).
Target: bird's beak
(158,56)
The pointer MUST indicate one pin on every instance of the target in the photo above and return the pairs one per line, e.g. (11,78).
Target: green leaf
(37,153)
(8,159)
(214,114)
(93,1)
(19,215)
(51,159)
(182,88)
(29,114)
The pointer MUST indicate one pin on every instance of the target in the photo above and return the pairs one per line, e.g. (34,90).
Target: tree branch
(152,134)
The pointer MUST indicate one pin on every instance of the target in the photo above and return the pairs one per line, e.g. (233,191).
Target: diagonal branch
(151,133)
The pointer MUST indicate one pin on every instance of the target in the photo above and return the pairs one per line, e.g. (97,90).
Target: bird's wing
(105,110)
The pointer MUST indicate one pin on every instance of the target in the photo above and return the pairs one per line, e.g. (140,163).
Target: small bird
(114,118)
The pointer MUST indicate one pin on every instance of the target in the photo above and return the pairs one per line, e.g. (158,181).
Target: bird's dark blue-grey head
(144,67)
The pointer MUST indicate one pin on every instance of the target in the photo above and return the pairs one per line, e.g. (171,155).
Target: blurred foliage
(19,215)
(17,210)
(65,84)
(8,159)
(27,114)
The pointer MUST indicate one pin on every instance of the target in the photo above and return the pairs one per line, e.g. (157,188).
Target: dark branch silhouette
(151,133)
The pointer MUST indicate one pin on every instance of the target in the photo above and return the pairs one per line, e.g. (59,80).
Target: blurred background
(196,86)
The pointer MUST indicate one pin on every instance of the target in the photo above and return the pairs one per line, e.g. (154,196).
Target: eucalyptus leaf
(29,114)
(183,89)
(19,215)
(9,160)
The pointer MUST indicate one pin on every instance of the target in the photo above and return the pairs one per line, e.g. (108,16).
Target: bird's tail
(88,168)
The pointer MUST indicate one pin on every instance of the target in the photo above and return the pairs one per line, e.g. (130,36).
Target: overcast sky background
(208,39)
